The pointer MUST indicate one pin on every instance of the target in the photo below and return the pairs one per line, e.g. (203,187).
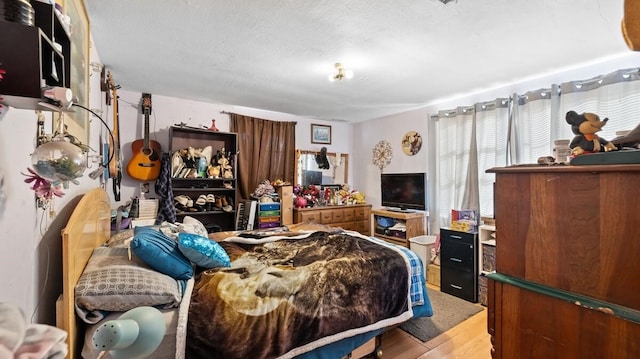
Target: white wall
(167,112)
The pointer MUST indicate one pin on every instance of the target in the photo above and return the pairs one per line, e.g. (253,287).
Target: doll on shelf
(225,168)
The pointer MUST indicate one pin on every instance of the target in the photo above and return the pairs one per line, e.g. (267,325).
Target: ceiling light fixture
(341,73)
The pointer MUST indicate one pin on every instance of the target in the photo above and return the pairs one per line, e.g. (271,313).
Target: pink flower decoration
(43,188)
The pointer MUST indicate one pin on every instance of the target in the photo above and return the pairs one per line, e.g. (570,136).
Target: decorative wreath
(382,154)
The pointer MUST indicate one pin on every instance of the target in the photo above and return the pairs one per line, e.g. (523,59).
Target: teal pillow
(161,253)
(203,251)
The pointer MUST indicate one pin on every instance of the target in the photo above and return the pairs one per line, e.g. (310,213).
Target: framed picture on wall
(321,134)
(77,122)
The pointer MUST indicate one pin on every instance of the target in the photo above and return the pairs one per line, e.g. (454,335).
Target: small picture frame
(321,134)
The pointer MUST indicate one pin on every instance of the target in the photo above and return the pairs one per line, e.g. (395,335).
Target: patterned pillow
(113,283)
(120,239)
(192,225)
(203,251)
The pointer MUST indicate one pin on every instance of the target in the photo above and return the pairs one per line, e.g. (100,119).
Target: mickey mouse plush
(585,126)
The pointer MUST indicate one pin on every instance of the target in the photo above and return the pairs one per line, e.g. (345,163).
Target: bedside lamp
(136,334)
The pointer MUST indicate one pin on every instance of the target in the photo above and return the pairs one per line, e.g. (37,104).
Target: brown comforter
(292,293)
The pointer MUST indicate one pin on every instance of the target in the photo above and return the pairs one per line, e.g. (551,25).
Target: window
(519,130)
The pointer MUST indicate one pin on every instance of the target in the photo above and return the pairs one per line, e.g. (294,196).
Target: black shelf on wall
(34,57)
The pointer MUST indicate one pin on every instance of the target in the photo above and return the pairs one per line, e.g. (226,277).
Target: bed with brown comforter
(283,296)
(310,295)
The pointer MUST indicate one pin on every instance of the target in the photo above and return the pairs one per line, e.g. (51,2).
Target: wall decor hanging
(411,143)
(382,154)
(321,134)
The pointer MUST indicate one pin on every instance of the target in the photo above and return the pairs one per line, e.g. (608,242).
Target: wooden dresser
(354,217)
(567,280)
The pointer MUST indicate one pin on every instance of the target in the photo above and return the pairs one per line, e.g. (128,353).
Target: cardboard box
(464,220)
(433,274)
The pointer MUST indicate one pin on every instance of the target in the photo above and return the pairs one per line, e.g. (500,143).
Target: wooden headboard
(88,228)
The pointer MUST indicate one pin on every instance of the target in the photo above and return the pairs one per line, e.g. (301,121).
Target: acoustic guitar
(115,163)
(145,163)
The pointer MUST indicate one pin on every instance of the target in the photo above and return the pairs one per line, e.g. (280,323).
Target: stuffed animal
(322,160)
(585,126)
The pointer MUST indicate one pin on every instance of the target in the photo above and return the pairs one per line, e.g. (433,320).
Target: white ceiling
(276,54)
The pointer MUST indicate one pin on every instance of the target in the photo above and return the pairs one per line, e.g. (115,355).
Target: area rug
(448,311)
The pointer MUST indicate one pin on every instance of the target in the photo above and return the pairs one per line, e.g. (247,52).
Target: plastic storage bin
(422,246)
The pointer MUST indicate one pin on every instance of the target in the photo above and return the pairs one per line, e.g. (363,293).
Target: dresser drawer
(361,213)
(457,255)
(349,214)
(362,227)
(269,206)
(326,217)
(310,216)
(338,215)
(455,236)
(462,284)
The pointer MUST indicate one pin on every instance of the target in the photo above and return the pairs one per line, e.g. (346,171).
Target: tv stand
(415,223)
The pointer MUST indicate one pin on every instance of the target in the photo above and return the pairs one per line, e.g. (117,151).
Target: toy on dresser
(585,126)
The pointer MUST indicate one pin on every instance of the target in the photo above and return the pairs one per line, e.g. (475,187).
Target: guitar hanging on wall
(145,163)
(115,163)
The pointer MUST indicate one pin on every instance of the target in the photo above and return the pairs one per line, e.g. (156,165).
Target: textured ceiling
(276,54)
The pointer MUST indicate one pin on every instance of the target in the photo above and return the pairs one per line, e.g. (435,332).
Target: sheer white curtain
(454,131)
(492,125)
(615,96)
(471,139)
(532,127)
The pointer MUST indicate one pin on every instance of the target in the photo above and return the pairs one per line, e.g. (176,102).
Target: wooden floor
(467,340)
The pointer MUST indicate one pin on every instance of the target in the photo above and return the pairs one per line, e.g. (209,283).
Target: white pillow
(193,226)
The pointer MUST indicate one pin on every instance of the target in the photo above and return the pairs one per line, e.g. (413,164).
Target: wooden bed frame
(89,226)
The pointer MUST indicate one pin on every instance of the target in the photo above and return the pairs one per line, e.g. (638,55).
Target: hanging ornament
(382,154)
(59,160)
(411,143)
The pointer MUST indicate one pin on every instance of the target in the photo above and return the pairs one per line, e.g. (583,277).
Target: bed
(207,322)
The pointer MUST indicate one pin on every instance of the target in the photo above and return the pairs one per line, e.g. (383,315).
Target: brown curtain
(267,151)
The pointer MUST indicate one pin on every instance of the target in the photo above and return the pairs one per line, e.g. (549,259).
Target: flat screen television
(404,191)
